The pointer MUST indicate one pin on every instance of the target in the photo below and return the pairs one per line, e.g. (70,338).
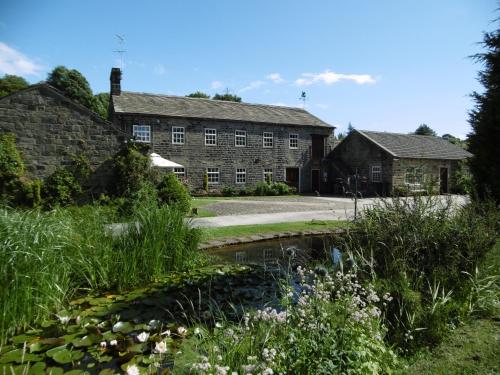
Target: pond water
(281,252)
(106,334)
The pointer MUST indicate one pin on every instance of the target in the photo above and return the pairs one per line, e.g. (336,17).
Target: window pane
(142,133)
(240,138)
(177,135)
(294,141)
(210,137)
(268,139)
(241,175)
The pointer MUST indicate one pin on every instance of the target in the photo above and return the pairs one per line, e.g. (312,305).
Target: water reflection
(281,252)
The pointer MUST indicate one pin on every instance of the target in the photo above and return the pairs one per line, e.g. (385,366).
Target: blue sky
(381,65)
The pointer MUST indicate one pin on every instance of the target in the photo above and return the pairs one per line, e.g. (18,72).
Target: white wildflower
(166,333)
(103,344)
(182,331)
(113,342)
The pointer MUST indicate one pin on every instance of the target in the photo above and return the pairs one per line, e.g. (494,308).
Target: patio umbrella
(158,161)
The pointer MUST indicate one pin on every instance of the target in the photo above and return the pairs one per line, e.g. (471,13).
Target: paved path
(287,209)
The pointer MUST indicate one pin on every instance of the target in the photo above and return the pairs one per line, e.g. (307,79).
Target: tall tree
(73,84)
(485,121)
(198,94)
(11,83)
(101,104)
(455,140)
(425,129)
(227,97)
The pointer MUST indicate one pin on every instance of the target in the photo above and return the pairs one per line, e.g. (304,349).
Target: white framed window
(180,173)
(268,175)
(267,139)
(241,175)
(376,173)
(210,137)
(142,133)
(414,176)
(178,135)
(240,138)
(293,141)
(213,175)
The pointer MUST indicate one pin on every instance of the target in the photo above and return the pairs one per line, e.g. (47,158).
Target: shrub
(61,188)
(172,192)
(205,181)
(132,169)
(281,188)
(228,191)
(11,168)
(429,245)
(262,188)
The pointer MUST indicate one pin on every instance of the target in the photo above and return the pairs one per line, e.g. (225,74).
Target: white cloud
(329,78)
(14,62)
(216,84)
(160,69)
(252,86)
(275,77)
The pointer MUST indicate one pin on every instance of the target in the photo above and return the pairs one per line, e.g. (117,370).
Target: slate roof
(416,146)
(179,106)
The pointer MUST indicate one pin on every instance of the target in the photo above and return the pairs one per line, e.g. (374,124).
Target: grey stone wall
(49,128)
(357,152)
(196,156)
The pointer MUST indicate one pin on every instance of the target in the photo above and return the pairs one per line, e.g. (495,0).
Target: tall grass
(422,251)
(48,257)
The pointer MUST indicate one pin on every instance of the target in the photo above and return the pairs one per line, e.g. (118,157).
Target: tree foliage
(11,167)
(485,121)
(227,97)
(454,140)
(198,94)
(11,83)
(425,129)
(73,84)
(101,104)
(172,192)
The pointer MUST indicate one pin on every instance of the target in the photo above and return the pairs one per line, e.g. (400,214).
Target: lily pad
(87,340)
(107,371)
(55,371)
(37,369)
(62,355)
(20,339)
(77,372)
(123,327)
(19,356)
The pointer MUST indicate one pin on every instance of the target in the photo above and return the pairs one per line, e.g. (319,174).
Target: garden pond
(109,333)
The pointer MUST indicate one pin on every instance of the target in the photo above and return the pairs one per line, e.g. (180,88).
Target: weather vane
(303,99)
(120,51)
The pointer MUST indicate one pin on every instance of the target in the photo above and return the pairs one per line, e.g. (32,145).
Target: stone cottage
(235,144)
(387,161)
(51,130)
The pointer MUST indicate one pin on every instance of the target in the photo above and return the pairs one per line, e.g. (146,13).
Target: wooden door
(292,177)
(315,182)
(443,180)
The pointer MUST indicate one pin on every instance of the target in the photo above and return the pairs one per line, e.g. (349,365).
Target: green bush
(172,192)
(262,189)
(430,246)
(281,188)
(132,169)
(61,188)
(229,191)
(11,168)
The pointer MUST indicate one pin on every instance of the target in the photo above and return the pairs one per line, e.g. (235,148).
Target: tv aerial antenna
(120,51)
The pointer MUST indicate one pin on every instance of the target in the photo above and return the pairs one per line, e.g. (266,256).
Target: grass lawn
(247,230)
(473,348)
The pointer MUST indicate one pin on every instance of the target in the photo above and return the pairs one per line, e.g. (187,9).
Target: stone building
(385,161)
(51,130)
(236,144)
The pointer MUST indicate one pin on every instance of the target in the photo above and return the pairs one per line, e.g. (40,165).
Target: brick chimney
(115,79)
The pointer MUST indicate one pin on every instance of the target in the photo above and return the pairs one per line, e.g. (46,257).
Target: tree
(227,97)
(101,104)
(11,83)
(350,128)
(454,140)
(73,84)
(425,129)
(198,94)
(485,121)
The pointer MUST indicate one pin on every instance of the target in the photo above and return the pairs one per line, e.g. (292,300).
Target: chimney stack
(115,79)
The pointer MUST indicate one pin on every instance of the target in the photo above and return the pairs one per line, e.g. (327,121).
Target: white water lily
(133,370)
(166,333)
(64,319)
(113,342)
(160,347)
(103,344)
(143,337)
(197,331)
(181,331)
